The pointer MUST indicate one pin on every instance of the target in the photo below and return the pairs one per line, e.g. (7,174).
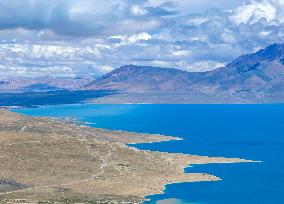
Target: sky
(93,37)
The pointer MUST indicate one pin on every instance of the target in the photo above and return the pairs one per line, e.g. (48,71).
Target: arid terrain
(55,161)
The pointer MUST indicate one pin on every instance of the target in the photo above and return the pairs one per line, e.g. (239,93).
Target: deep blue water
(253,132)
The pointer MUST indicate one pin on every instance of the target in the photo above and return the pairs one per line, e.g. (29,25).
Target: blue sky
(77,37)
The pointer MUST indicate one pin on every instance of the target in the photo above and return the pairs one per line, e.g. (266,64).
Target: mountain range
(257,77)
(42,84)
(262,71)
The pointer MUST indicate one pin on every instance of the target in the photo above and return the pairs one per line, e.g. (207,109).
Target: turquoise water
(253,132)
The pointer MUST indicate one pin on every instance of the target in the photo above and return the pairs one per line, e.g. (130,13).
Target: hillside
(55,161)
(262,71)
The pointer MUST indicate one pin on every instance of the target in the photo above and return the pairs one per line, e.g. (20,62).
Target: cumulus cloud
(131,39)
(254,12)
(91,36)
(138,10)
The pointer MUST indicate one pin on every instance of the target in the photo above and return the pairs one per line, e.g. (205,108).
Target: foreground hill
(55,161)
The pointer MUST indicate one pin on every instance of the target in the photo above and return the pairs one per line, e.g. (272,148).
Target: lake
(253,132)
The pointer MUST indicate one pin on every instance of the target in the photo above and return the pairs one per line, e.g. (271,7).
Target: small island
(46,160)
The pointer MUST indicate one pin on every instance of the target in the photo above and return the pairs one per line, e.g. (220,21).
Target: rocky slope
(131,78)
(261,71)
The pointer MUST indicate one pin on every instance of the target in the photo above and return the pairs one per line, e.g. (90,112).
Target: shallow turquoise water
(245,131)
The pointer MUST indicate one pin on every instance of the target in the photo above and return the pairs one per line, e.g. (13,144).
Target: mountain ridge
(256,77)
(260,71)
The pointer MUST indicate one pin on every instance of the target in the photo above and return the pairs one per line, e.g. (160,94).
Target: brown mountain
(262,71)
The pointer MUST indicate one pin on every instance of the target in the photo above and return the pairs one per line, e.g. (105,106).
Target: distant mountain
(262,71)
(3,82)
(43,84)
(252,78)
(131,78)
(40,87)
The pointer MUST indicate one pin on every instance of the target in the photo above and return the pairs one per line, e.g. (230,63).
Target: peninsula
(45,160)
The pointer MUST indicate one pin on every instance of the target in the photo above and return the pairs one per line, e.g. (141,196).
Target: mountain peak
(135,70)
(143,78)
(272,52)
(129,67)
(250,62)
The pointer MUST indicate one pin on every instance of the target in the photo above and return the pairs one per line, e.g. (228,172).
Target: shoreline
(119,164)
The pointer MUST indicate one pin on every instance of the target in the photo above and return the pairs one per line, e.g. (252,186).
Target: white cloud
(106,69)
(131,39)
(253,12)
(88,36)
(229,38)
(205,66)
(138,37)
(137,10)
(182,53)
